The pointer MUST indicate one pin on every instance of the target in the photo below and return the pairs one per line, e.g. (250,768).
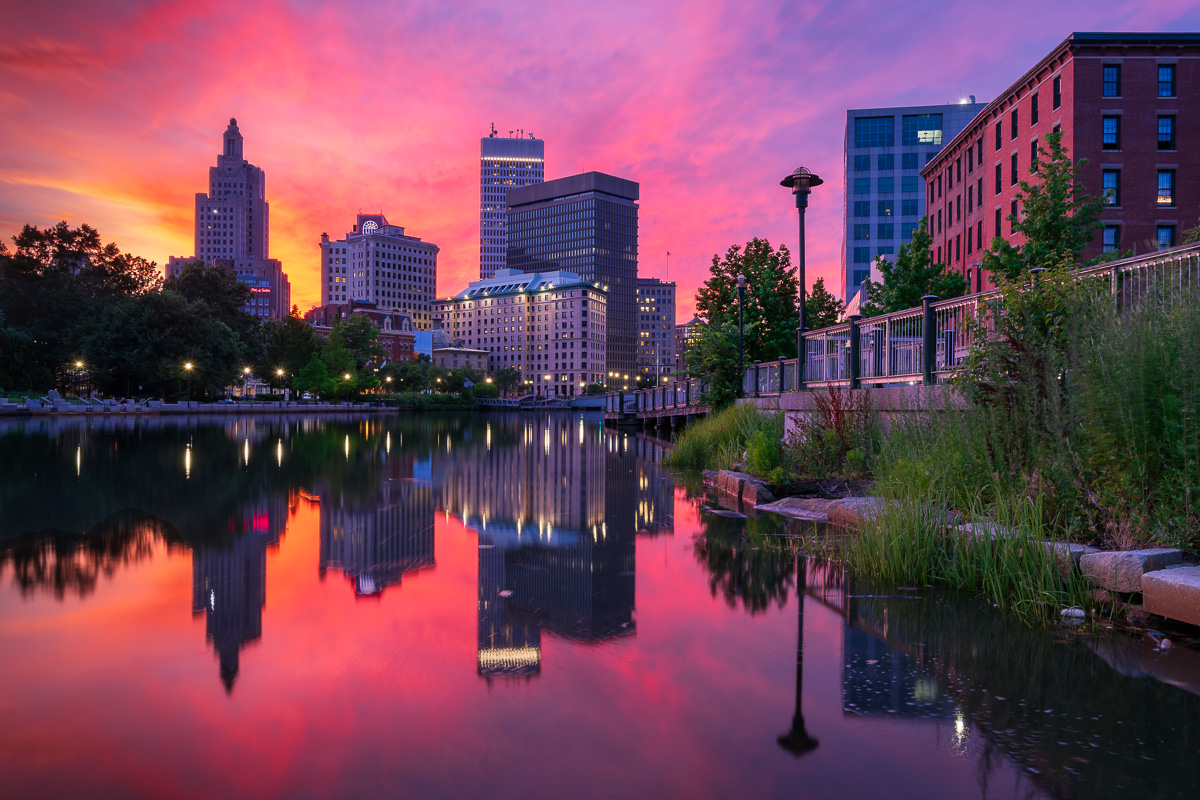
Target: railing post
(855,351)
(928,340)
(801,357)
(781,374)
(687,392)
(756,363)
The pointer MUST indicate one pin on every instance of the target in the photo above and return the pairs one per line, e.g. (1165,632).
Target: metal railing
(929,343)
(685,394)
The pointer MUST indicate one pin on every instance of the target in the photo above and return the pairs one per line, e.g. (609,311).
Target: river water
(507,605)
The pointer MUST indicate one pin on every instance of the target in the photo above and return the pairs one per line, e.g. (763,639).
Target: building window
(887,162)
(1166,236)
(970,160)
(999,173)
(1112,187)
(999,136)
(1033,156)
(906,230)
(998,221)
(1013,171)
(1112,133)
(1166,187)
(908,160)
(862,163)
(1033,109)
(981,151)
(886,208)
(1166,80)
(908,184)
(1012,210)
(887,185)
(862,185)
(917,129)
(1166,133)
(862,208)
(862,255)
(887,230)
(862,232)
(970,199)
(1112,80)
(874,132)
(1112,238)
(958,247)
(1057,91)
(979,234)
(886,251)
(1014,123)
(908,208)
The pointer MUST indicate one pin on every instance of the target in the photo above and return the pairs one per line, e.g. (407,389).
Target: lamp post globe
(802,181)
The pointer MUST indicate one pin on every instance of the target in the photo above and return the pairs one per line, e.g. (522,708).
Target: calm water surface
(505,606)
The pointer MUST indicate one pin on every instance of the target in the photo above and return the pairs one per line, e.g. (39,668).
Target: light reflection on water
(622,639)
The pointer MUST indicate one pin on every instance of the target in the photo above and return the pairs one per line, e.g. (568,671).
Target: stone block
(983,531)
(755,492)
(810,510)
(850,512)
(1122,570)
(1173,593)
(1068,554)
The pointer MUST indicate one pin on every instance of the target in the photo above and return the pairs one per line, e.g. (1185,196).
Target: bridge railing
(928,344)
(685,394)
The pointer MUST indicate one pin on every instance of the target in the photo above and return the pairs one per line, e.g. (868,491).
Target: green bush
(719,440)
(839,438)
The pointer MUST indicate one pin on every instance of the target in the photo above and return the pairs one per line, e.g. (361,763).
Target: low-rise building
(552,326)
(455,357)
(396,332)
(684,334)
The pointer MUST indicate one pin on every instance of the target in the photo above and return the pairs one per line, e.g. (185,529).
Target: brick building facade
(396,332)
(1125,102)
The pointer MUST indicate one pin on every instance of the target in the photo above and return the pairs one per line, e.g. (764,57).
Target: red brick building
(1126,102)
(395,327)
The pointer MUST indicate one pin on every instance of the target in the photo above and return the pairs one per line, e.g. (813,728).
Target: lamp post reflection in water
(797,741)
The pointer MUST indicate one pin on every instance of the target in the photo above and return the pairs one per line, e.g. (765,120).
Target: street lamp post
(801,182)
(741,290)
(188,369)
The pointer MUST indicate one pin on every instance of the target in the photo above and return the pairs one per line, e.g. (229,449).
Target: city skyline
(728,108)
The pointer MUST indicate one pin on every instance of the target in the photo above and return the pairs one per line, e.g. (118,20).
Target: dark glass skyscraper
(586,224)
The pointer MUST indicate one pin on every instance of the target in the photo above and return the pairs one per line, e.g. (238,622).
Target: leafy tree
(507,379)
(713,355)
(222,292)
(1057,219)
(821,308)
(486,391)
(772,298)
(412,376)
(77,258)
(913,275)
(362,340)
(1192,234)
(139,344)
(290,343)
(314,377)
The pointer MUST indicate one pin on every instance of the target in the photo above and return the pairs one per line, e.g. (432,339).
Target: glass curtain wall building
(504,163)
(586,224)
(885,195)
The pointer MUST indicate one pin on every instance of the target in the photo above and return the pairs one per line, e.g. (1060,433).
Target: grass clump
(720,440)
(1010,560)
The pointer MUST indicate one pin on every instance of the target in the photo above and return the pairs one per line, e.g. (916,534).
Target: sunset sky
(111,112)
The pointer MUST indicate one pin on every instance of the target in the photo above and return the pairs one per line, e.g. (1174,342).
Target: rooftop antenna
(492,135)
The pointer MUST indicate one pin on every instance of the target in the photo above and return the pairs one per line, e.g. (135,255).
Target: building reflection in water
(229,583)
(376,541)
(552,501)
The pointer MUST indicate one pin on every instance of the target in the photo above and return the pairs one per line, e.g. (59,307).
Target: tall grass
(1011,562)
(720,440)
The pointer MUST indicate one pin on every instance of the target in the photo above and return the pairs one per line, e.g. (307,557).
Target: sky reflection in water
(507,605)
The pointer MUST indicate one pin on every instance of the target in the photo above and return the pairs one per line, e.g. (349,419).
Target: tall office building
(1121,102)
(656,329)
(233,229)
(379,263)
(504,163)
(586,224)
(885,196)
